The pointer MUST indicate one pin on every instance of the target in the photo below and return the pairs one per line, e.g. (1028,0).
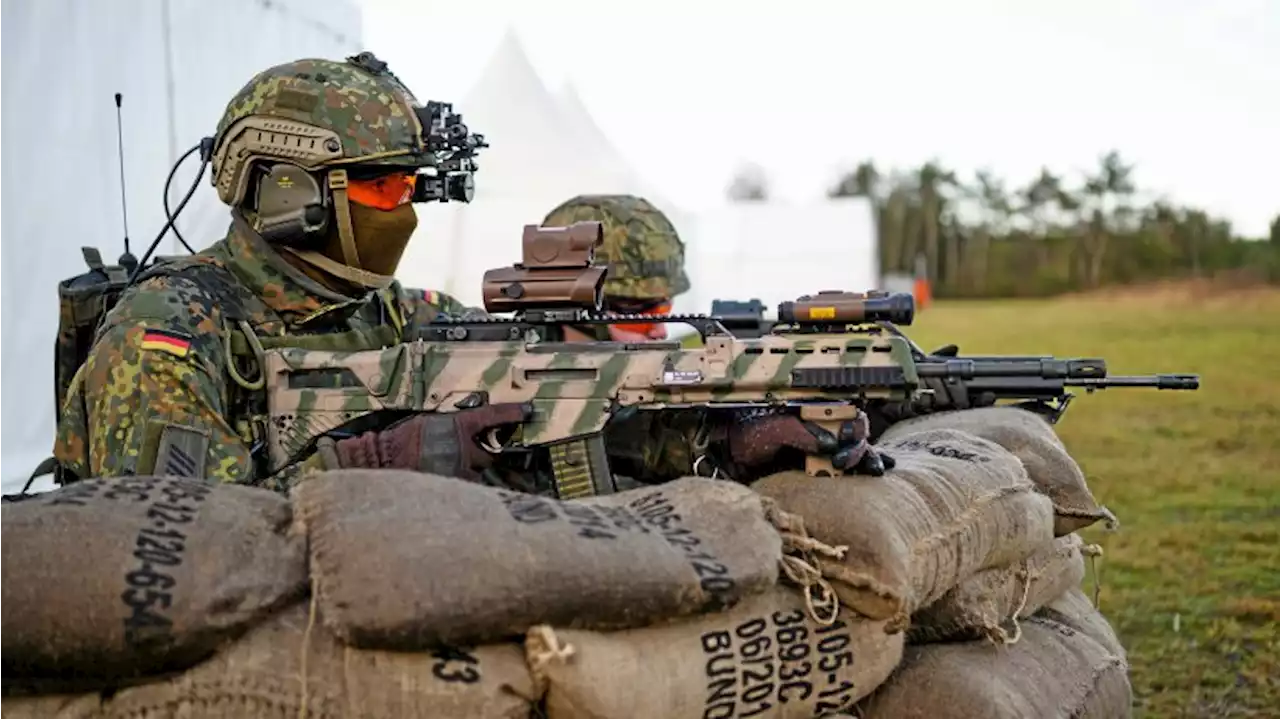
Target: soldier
(317,161)
(644,255)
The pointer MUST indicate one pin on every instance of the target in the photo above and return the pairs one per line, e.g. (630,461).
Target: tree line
(980,237)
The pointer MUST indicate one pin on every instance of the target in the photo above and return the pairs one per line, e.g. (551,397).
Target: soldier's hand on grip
(764,444)
(445,444)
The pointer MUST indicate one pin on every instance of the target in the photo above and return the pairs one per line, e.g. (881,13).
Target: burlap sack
(51,706)
(1074,609)
(405,560)
(1051,672)
(1033,440)
(763,658)
(981,604)
(280,670)
(110,580)
(953,506)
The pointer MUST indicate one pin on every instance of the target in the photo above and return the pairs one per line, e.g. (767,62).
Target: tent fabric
(777,252)
(176,63)
(539,156)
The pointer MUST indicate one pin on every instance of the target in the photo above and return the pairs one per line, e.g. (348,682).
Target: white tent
(777,251)
(543,151)
(177,63)
(605,155)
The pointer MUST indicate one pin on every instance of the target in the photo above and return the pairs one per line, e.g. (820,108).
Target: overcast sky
(688,89)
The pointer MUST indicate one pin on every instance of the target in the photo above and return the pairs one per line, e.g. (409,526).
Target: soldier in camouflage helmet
(645,259)
(644,255)
(317,159)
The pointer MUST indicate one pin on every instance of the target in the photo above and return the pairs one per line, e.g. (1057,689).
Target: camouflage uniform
(161,358)
(169,384)
(645,257)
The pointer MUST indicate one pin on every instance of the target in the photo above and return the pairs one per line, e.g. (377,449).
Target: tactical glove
(776,442)
(444,444)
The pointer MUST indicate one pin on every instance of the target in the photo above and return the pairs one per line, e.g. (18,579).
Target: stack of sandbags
(290,666)
(955,505)
(659,601)
(424,588)
(766,657)
(1031,439)
(402,560)
(1017,638)
(1066,663)
(106,583)
(983,605)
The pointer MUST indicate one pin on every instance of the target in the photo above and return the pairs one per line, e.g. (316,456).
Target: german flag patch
(431,297)
(175,343)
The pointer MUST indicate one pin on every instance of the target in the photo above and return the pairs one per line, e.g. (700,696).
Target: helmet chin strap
(350,268)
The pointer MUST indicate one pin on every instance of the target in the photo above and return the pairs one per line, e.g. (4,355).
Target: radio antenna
(127,260)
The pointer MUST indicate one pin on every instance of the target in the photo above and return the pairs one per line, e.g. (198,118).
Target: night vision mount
(448,140)
(454,147)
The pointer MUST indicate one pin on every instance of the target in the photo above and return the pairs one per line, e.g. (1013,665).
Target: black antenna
(127,260)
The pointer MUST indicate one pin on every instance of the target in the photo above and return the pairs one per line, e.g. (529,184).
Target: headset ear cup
(291,206)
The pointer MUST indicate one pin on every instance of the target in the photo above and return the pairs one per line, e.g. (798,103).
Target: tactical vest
(85,301)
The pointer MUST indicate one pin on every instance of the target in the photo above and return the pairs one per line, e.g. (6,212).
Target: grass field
(1191,580)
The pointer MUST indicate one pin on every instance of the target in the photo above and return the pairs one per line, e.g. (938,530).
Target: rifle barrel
(1159,381)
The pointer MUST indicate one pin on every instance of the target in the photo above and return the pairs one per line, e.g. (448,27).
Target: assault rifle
(1038,383)
(824,359)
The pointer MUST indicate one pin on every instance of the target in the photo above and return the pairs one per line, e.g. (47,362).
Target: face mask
(382,236)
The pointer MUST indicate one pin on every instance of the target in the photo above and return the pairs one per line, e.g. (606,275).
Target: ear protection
(292,205)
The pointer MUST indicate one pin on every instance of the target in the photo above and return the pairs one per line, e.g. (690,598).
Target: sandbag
(403,560)
(1033,440)
(1051,672)
(107,581)
(979,605)
(954,505)
(280,668)
(53,706)
(764,658)
(1074,609)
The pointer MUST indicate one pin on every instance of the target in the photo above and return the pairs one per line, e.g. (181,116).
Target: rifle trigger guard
(490,442)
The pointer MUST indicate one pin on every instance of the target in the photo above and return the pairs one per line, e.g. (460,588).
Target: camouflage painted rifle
(1038,383)
(824,359)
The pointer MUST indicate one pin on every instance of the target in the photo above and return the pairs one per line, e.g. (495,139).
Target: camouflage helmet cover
(642,250)
(318,113)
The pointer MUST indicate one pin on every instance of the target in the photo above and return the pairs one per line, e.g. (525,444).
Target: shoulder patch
(175,343)
(431,297)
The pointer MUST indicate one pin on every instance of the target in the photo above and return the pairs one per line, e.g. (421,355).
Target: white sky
(1188,90)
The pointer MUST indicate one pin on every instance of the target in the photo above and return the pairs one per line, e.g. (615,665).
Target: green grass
(1191,580)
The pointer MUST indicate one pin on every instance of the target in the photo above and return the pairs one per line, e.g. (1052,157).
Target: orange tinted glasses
(384,193)
(652,330)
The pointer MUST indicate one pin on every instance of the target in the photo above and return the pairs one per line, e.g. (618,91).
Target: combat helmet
(334,121)
(642,250)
